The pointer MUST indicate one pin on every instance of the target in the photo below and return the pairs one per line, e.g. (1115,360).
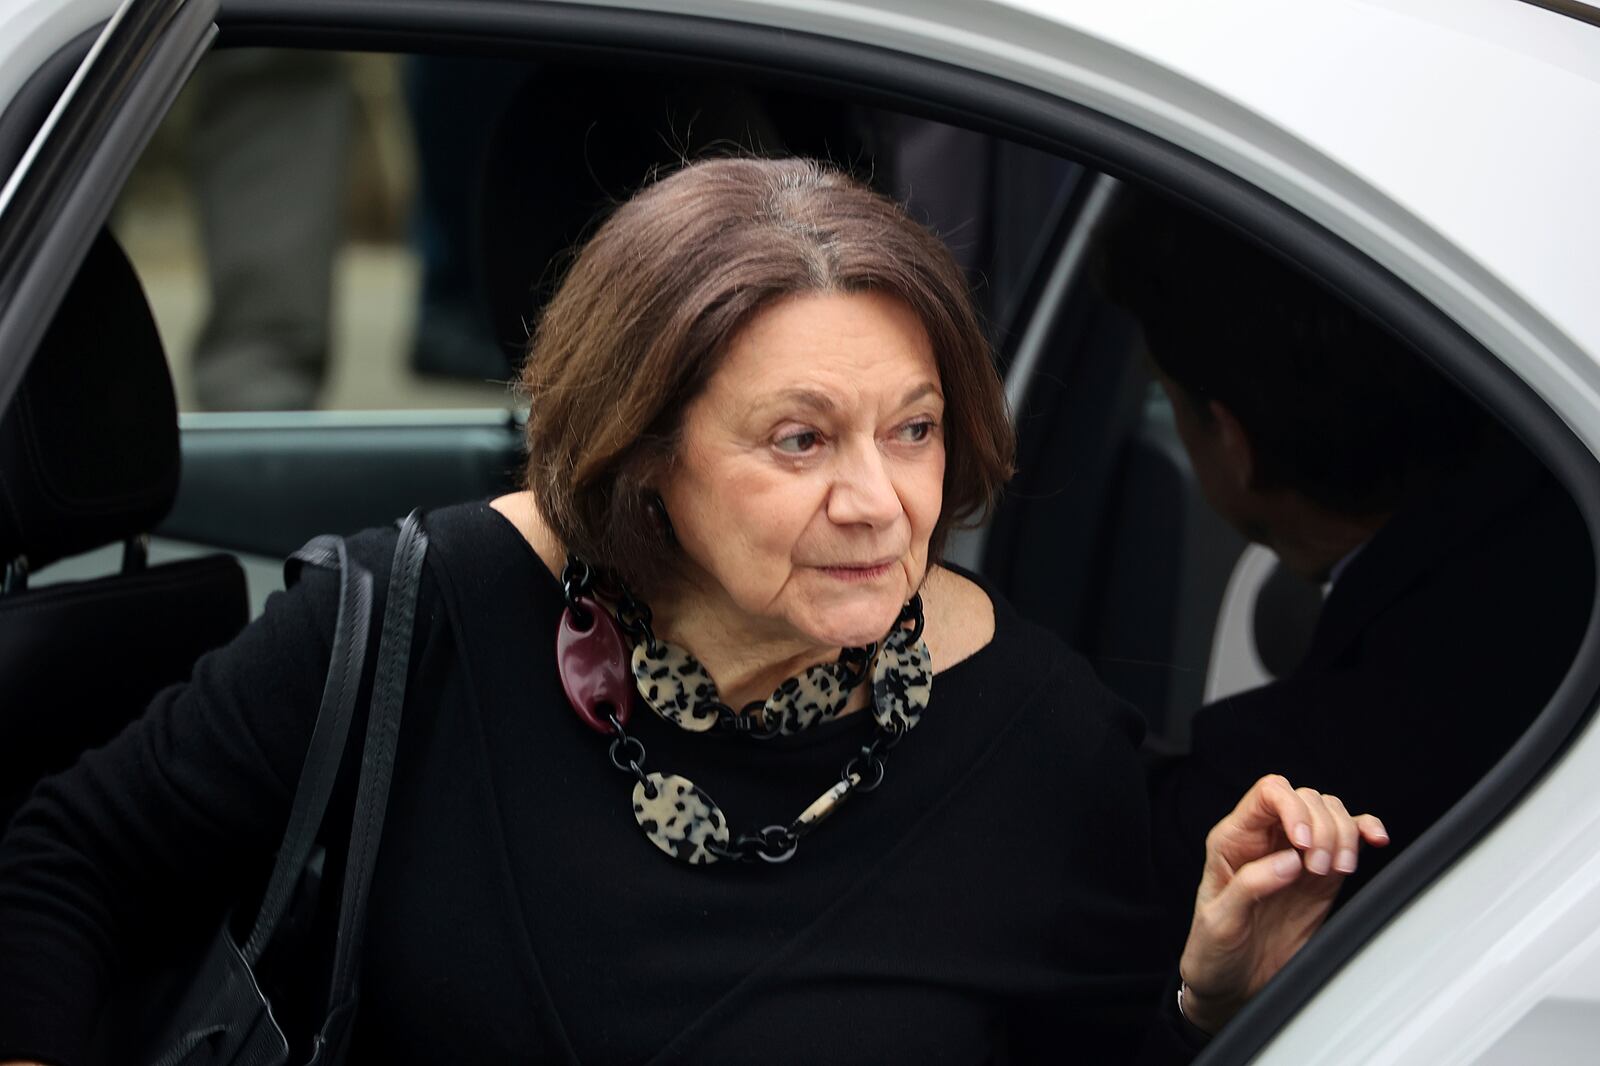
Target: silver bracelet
(1183,986)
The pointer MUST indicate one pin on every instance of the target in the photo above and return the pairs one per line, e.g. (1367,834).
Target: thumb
(1250,885)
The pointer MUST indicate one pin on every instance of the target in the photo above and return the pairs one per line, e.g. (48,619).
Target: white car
(1437,161)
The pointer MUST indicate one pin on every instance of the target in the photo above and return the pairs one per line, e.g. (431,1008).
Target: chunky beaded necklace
(600,676)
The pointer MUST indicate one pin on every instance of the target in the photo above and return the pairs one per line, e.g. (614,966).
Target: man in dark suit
(1460,572)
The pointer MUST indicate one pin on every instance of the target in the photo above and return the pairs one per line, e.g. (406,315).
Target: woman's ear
(1234,447)
(657,510)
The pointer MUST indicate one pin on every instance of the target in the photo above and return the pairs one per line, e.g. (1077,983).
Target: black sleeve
(156,831)
(1173,1041)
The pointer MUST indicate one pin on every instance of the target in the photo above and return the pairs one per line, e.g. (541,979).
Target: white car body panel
(1456,142)
(31,31)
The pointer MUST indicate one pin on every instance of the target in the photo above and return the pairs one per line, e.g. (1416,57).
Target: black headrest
(89,445)
(549,173)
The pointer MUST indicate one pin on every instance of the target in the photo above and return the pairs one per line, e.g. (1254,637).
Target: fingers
(1273,801)
(1266,876)
(1316,823)
(1229,917)
(1347,838)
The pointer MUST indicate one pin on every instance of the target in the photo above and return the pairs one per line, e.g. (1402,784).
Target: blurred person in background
(269,152)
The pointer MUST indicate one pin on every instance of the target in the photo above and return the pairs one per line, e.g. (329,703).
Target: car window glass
(332,230)
(270,221)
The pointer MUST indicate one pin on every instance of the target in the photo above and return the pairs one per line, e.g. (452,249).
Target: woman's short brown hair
(643,316)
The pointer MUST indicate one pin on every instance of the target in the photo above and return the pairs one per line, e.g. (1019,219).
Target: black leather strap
(377,757)
(321,766)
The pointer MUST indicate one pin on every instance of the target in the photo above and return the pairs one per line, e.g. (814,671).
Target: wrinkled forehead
(827,351)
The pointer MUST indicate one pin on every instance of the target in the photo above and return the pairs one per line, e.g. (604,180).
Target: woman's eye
(798,443)
(917,432)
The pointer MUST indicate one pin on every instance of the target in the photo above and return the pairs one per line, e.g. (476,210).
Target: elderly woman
(863,812)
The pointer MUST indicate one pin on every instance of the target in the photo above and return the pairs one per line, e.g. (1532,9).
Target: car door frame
(61,192)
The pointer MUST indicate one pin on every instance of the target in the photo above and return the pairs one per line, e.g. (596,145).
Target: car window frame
(63,189)
(1573,9)
(26,112)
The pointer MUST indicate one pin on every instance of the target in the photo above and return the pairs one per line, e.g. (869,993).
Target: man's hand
(1273,867)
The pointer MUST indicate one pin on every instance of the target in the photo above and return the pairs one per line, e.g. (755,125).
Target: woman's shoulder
(969,619)
(465,527)
(1002,655)
(457,533)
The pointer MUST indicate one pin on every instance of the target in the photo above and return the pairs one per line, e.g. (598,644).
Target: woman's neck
(746,664)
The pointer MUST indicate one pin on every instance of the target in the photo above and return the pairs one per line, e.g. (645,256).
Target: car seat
(89,457)
(1103,535)
(1264,625)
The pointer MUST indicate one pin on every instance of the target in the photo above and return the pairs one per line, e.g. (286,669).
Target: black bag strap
(377,756)
(321,767)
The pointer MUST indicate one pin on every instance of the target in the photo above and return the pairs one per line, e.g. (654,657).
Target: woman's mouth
(858,573)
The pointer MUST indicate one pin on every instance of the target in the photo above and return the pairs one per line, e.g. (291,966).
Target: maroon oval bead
(593,662)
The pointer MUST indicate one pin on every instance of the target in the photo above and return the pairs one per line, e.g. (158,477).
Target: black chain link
(912,612)
(775,844)
(622,757)
(866,768)
(576,579)
(749,723)
(634,618)
(855,665)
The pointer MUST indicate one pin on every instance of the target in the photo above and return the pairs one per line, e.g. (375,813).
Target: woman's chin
(854,628)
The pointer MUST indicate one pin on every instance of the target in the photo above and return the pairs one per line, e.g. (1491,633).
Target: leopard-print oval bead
(902,681)
(815,696)
(675,686)
(679,819)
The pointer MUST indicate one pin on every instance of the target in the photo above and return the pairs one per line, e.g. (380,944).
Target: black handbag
(222,1017)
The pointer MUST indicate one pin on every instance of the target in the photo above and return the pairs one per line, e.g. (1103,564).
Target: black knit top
(987,903)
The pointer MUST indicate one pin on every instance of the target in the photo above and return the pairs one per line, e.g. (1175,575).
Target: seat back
(1264,625)
(88,458)
(1104,536)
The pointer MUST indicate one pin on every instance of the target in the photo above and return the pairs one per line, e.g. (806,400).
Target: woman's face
(811,470)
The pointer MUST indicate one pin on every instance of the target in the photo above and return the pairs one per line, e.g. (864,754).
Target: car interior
(128,511)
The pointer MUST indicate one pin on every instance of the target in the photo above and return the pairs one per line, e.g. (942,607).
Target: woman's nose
(863,492)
